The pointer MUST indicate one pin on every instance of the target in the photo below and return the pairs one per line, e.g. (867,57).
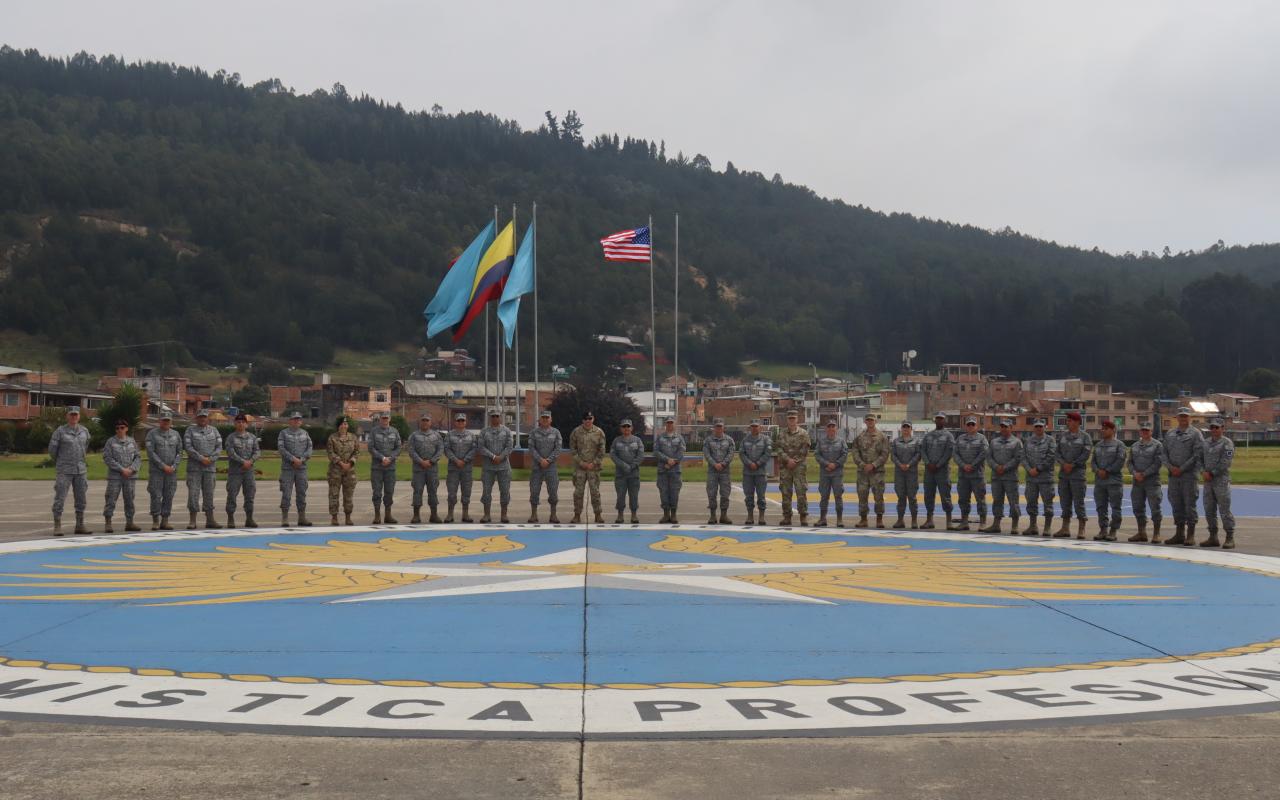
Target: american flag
(633,245)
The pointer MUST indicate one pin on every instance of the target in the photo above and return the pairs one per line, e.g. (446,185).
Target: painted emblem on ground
(620,631)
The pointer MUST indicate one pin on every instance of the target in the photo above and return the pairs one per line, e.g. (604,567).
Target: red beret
(1074,415)
(1106,423)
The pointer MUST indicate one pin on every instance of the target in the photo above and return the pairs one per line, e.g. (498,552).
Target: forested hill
(141,202)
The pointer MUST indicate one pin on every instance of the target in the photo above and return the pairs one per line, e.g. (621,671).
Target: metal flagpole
(675,348)
(515,341)
(653,332)
(537,407)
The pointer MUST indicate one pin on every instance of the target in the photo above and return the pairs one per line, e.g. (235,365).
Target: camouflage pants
(830,483)
(1182,496)
(794,479)
(503,478)
(291,481)
(1217,501)
(241,481)
(79,486)
(428,479)
(1144,496)
(582,480)
(1108,495)
(200,485)
(118,485)
(870,485)
(1071,496)
(753,486)
(458,478)
(972,486)
(940,482)
(537,478)
(627,490)
(1002,490)
(669,483)
(383,482)
(1037,492)
(719,486)
(161,486)
(905,486)
(342,485)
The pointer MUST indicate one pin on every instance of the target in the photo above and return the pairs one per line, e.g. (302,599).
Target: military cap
(755,423)
(1108,423)
(868,415)
(73,409)
(626,423)
(672,420)
(202,412)
(460,416)
(588,415)
(717,421)
(296,415)
(241,418)
(1074,415)
(385,415)
(1039,423)
(1146,426)
(905,425)
(1216,422)
(122,423)
(1184,412)
(423,415)
(1004,423)
(545,413)
(791,414)
(166,415)
(493,412)
(939,415)
(970,420)
(831,423)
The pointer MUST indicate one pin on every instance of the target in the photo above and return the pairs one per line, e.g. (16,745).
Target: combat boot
(1115,528)
(879,520)
(303,522)
(1230,542)
(503,517)
(1064,530)
(1101,536)
(786,518)
(80,528)
(387,519)
(466,513)
(822,519)
(129,525)
(1155,532)
(533,517)
(839,517)
(164,524)
(862,521)
(155,523)
(982,522)
(231,520)
(106,525)
(417,516)
(901,523)
(577,512)
(618,520)
(635,518)
(599,518)
(1141,535)
(192,526)
(673,519)
(485,517)
(994,527)
(1212,541)
(210,522)
(449,517)
(761,516)
(555,520)
(1191,535)
(1013,525)
(711,517)
(377,515)
(1032,528)
(928,521)
(804,519)
(950,523)
(434,519)
(962,523)
(1179,534)
(333,519)
(57,524)
(346,520)
(751,516)
(913,521)
(1080,528)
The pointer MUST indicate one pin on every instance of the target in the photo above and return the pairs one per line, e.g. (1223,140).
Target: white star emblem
(592,567)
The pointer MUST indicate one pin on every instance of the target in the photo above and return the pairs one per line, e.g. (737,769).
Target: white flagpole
(515,338)
(653,332)
(537,407)
(675,348)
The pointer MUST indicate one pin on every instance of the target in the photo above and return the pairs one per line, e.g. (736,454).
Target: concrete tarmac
(1230,756)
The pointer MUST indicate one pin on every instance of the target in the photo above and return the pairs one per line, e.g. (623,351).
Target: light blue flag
(519,282)
(450,303)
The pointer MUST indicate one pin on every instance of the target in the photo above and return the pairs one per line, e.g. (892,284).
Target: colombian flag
(491,277)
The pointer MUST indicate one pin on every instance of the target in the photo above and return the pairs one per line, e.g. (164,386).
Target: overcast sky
(1124,125)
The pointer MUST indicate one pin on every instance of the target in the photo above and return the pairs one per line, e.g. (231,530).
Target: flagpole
(653,331)
(486,335)
(675,348)
(537,406)
(515,340)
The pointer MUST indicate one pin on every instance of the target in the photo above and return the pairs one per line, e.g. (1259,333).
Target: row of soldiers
(1184,452)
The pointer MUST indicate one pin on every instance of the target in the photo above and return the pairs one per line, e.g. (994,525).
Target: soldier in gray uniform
(754,453)
(971,458)
(496,443)
(1109,456)
(460,448)
(1146,457)
(120,454)
(627,452)
(242,451)
(718,450)
(668,451)
(935,451)
(1039,456)
(1183,451)
(1005,456)
(68,447)
(1073,458)
(1215,465)
(164,454)
(905,452)
(384,445)
(203,445)
(426,446)
(831,452)
(294,446)
(545,444)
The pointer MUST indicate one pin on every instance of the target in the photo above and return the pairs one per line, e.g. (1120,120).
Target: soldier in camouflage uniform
(792,450)
(971,458)
(627,452)
(870,453)
(717,451)
(586,442)
(1040,455)
(1146,457)
(384,446)
(164,454)
(1183,450)
(1215,464)
(754,453)
(120,454)
(68,447)
(1074,446)
(496,443)
(203,444)
(460,448)
(830,451)
(936,451)
(425,446)
(545,444)
(1109,456)
(1004,456)
(342,448)
(294,446)
(668,451)
(905,451)
(242,451)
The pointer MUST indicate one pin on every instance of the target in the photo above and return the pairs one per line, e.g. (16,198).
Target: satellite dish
(912,354)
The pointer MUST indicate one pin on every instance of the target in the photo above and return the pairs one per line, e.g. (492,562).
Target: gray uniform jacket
(1073,448)
(1217,457)
(496,442)
(202,443)
(1146,459)
(1184,449)
(971,448)
(67,448)
(906,451)
(460,445)
(669,446)
(546,443)
(240,447)
(1111,456)
(1007,453)
(627,452)
(1041,454)
(164,448)
(938,447)
(425,446)
(120,454)
(293,444)
(829,451)
(384,443)
(755,450)
(718,450)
